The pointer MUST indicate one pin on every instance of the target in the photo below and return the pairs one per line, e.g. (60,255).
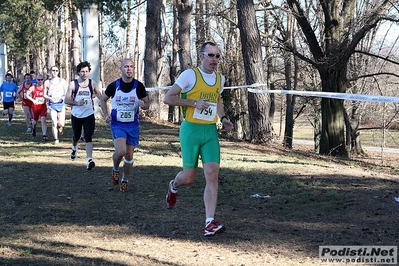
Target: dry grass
(54,212)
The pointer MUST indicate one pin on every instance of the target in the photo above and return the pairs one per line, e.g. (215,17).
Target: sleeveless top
(57,92)
(125,107)
(202,90)
(38,94)
(24,90)
(85,93)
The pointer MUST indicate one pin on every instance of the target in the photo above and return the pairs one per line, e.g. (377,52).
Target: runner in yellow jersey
(198,92)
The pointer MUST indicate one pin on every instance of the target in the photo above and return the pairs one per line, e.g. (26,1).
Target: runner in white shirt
(55,90)
(80,96)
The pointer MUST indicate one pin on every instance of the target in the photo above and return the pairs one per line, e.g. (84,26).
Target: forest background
(337,46)
(60,214)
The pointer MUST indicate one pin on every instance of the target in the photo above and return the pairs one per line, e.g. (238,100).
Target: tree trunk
(173,64)
(184,8)
(152,31)
(136,44)
(332,140)
(290,99)
(258,103)
(199,26)
(128,28)
(101,48)
(75,42)
(317,127)
(51,41)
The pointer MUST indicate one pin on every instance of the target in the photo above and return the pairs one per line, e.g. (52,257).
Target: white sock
(173,189)
(208,220)
(74,148)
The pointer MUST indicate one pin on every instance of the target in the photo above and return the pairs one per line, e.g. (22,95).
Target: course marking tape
(332,95)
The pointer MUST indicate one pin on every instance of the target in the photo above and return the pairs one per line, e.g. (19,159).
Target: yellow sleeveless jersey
(202,90)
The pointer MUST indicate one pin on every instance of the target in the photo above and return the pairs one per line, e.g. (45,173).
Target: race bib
(125,115)
(40,100)
(9,94)
(57,96)
(207,114)
(87,102)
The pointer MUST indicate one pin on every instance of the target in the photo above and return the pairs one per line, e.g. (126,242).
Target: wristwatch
(223,117)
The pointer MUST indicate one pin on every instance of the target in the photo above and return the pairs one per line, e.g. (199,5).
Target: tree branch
(377,56)
(373,75)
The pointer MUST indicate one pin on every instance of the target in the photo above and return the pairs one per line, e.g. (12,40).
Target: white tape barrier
(332,95)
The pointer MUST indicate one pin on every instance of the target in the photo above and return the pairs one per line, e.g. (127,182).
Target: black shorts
(7,105)
(88,124)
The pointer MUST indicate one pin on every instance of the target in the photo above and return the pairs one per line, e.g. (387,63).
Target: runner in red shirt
(39,106)
(26,103)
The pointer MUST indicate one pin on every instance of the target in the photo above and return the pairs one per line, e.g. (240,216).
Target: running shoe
(29,130)
(61,130)
(9,123)
(123,187)
(56,142)
(73,156)
(171,196)
(90,164)
(82,138)
(34,132)
(115,177)
(44,138)
(213,228)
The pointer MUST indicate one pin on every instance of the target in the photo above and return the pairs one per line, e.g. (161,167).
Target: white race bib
(57,95)
(207,114)
(125,115)
(9,94)
(87,102)
(40,100)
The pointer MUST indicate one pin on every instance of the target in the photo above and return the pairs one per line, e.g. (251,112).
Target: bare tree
(258,103)
(290,99)
(344,26)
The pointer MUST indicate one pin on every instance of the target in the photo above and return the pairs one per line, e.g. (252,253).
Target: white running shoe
(90,164)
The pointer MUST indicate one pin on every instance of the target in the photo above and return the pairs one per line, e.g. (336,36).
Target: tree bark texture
(184,8)
(151,57)
(258,103)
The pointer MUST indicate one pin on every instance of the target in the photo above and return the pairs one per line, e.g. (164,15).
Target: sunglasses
(211,55)
(55,70)
(39,79)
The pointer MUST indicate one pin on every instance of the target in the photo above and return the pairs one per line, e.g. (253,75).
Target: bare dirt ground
(54,212)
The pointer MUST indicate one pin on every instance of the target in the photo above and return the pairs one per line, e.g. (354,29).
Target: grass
(54,212)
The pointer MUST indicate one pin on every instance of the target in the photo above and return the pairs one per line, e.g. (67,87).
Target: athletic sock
(208,220)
